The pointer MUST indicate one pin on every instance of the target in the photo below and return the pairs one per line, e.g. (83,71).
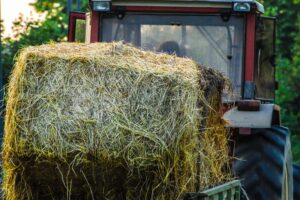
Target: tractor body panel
(250,119)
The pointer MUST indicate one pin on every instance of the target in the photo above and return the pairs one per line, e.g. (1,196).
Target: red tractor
(231,36)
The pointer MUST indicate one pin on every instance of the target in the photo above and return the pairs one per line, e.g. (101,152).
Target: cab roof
(187,3)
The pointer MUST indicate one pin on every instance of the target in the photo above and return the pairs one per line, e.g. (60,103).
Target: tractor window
(77,27)
(209,40)
(80,30)
(265,59)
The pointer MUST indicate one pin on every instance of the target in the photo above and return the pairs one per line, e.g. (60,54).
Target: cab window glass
(265,59)
(80,30)
(77,27)
(209,40)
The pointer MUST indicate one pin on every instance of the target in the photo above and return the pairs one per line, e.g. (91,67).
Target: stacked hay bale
(109,121)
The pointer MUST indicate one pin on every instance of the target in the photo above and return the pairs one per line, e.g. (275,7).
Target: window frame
(243,67)
(73,16)
(274,19)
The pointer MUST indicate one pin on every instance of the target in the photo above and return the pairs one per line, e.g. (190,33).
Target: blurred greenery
(288,64)
(28,31)
(296,148)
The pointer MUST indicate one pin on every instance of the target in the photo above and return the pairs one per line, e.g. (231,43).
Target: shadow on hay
(38,178)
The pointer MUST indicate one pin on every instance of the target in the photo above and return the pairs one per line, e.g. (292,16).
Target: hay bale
(109,121)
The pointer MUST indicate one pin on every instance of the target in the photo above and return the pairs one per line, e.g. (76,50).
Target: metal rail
(227,191)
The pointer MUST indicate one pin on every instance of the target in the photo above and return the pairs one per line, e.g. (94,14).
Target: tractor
(233,37)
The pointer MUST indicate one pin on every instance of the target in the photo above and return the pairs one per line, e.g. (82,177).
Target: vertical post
(69,6)
(249,85)
(250,47)
(95,27)
(69,9)
(78,5)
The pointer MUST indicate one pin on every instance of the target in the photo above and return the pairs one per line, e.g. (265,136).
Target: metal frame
(95,27)
(188,3)
(228,191)
(250,47)
(274,50)
(249,60)
(72,24)
(96,16)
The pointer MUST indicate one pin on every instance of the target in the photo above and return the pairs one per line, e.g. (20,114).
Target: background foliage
(27,31)
(54,28)
(288,64)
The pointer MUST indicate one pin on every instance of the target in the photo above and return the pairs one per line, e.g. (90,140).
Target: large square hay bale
(109,121)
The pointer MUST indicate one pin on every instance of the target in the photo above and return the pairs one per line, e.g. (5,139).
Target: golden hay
(109,121)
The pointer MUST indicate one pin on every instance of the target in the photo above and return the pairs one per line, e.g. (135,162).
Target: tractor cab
(230,36)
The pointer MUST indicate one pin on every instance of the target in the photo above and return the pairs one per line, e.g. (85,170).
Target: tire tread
(261,159)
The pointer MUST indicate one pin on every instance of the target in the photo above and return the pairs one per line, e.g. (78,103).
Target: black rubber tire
(263,161)
(296,174)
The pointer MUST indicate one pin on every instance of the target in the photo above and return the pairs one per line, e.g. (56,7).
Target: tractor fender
(264,118)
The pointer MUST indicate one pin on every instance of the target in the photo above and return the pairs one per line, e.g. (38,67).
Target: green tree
(29,32)
(288,46)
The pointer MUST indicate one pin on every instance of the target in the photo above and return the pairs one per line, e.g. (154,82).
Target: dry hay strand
(215,160)
(109,121)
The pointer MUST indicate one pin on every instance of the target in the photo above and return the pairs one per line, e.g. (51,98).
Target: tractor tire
(296,174)
(264,164)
